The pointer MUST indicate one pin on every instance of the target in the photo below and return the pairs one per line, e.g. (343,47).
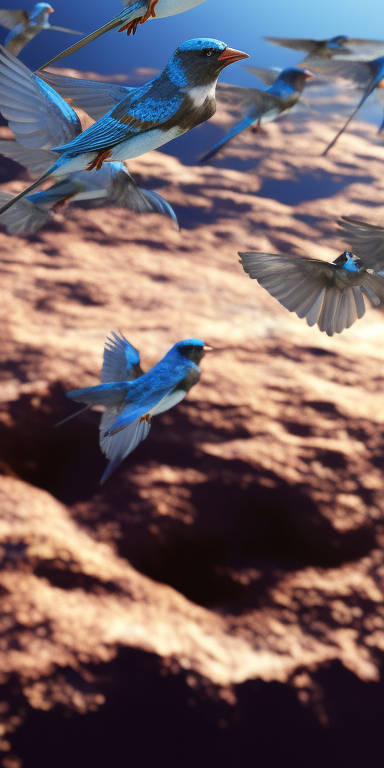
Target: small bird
(341,46)
(112,185)
(329,294)
(367,240)
(365,74)
(135,12)
(25,26)
(132,397)
(264,106)
(180,98)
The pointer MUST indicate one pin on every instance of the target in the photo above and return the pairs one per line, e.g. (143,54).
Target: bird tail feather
(241,126)
(364,97)
(111,395)
(29,189)
(122,18)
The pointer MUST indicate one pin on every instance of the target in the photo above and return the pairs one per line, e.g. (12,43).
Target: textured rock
(243,540)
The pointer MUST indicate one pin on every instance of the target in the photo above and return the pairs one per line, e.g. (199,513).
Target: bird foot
(99,159)
(147,418)
(131,27)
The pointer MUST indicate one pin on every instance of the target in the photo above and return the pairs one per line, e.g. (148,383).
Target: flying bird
(263,106)
(365,74)
(341,47)
(134,13)
(180,98)
(25,26)
(329,294)
(132,397)
(367,240)
(112,185)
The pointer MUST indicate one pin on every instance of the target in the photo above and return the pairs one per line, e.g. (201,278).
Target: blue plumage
(145,119)
(132,397)
(263,106)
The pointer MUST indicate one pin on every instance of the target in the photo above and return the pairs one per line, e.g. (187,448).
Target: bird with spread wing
(177,100)
(285,89)
(132,397)
(330,294)
(26,25)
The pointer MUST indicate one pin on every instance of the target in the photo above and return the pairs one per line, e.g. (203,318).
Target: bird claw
(97,162)
(147,418)
(131,26)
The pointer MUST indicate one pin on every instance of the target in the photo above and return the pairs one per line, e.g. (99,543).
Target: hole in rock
(226,531)
(152,717)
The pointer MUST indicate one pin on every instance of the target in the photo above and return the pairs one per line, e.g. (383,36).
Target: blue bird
(365,74)
(341,47)
(329,294)
(180,98)
(134,13)
(263,106)
(367,240)
(112,185)
(25,26)
(132,397)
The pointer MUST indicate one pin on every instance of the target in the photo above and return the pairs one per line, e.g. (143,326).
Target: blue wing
(121,361)
(93,97)
(241,126)
(37,115)
(134,10)
(133,115)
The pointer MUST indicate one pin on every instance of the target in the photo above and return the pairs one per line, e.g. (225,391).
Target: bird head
(349,261)
(338,41)
(40,12)
(296,78)
(192,349)
(200,61)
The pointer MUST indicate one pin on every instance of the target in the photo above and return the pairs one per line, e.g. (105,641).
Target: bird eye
(208,53)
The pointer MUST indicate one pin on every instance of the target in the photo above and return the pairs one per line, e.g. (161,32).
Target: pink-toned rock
(258,501)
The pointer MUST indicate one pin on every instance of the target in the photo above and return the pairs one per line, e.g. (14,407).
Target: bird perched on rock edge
(132,397)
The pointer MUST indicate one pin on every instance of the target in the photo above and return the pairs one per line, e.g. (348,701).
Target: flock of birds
(130,121)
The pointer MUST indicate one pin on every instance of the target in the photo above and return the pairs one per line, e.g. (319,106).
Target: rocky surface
(221,597)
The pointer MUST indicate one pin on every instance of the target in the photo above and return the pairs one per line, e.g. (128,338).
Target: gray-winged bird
(111,186)
(365,74)
(367,240)
(329,294)
(341,47)
(25,26)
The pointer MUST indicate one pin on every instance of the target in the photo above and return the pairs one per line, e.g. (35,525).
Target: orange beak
(51,10)
(230,55)
(309,75)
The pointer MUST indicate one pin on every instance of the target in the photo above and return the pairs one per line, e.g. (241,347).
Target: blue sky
(240,23)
